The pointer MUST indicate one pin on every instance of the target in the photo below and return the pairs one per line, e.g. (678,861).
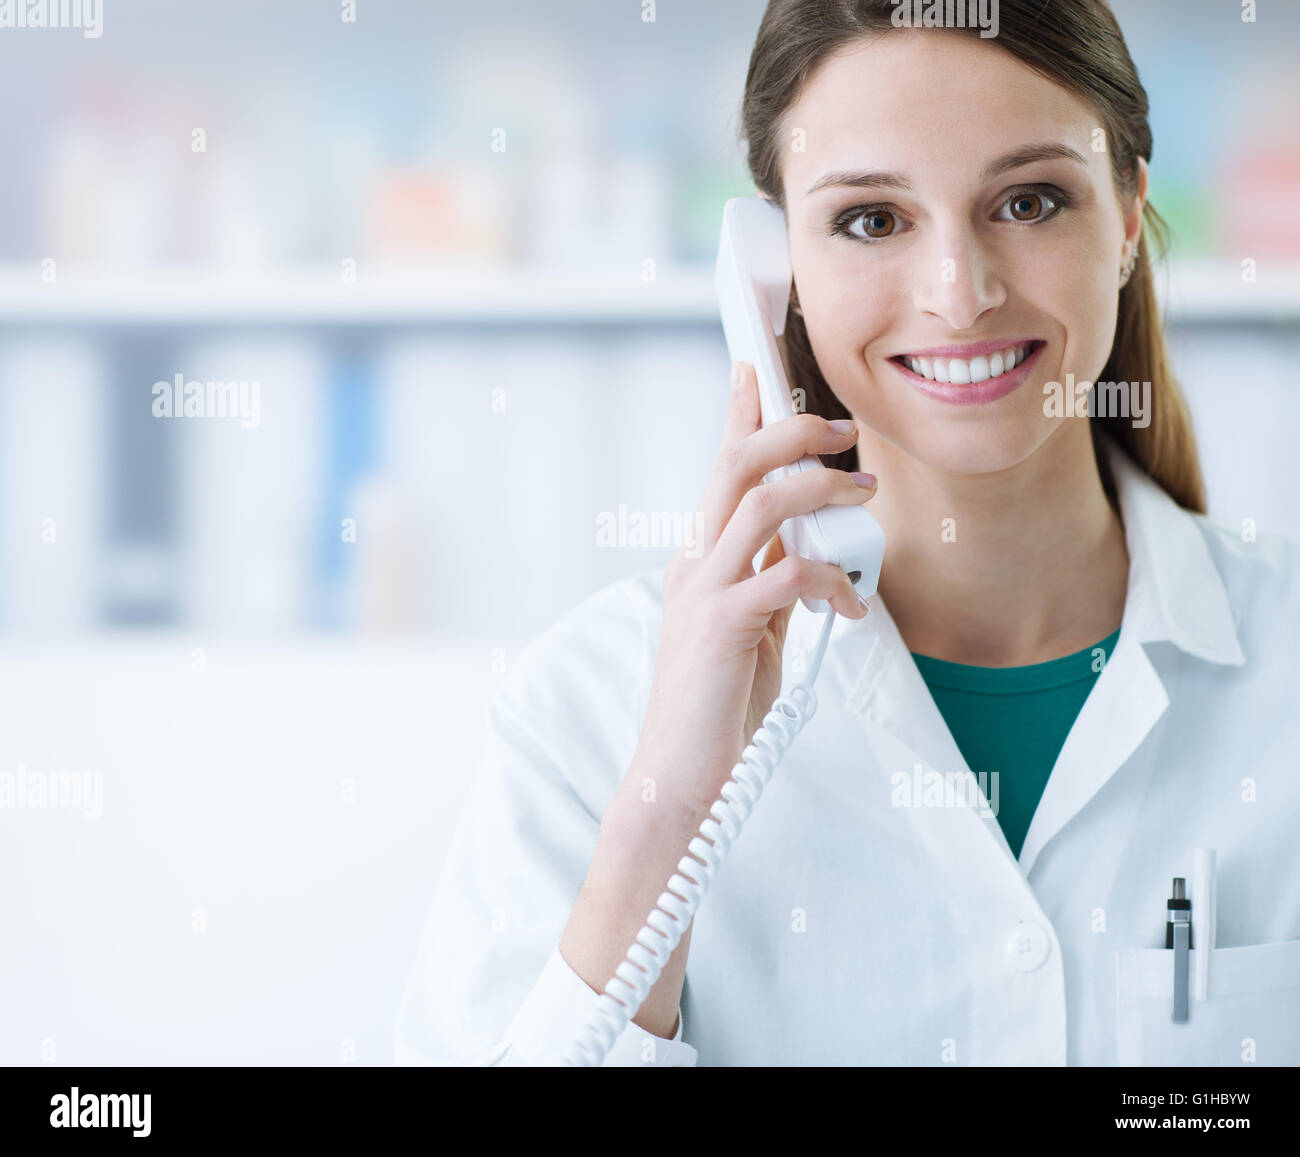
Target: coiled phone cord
(667,923)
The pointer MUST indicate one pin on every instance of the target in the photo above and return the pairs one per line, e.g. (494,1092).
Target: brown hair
(1079,46)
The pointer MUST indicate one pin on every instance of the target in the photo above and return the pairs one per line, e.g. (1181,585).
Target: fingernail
(843,425)
(860,479)
(866,606)
(735,374)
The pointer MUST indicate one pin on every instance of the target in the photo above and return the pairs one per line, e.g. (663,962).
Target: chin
(974,447)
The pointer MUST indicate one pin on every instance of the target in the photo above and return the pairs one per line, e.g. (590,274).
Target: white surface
(223,791)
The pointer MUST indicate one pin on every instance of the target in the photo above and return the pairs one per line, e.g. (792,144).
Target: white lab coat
(846,927)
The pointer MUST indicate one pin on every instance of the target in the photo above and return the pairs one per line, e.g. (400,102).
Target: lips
(970,393)
(986,361)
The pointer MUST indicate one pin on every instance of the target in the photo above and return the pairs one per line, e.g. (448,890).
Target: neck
(1001,569)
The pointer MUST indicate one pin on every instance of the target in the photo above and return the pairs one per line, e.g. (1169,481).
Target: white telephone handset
(753,281)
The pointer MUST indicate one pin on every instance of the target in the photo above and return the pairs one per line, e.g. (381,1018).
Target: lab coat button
(1027,946)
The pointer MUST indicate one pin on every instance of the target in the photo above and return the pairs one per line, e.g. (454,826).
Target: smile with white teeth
(968,371)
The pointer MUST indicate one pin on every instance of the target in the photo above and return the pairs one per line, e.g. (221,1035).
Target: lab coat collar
(1175,593)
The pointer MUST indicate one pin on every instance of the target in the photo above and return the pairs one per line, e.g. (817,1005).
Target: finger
(764,508)
(744,417)
(780,620)
(790,439)
(741,465)
(794,578)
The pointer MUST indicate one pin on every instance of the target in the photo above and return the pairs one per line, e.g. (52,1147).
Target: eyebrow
(1045,151)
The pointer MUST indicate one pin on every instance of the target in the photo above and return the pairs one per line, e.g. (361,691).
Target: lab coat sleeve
(489,985)
(560,1000)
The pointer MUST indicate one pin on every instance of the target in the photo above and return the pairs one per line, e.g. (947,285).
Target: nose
(960,281)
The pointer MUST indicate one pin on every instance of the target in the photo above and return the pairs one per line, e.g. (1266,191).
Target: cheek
(848,306)
(1084,305)
(839,330)
(1074,284)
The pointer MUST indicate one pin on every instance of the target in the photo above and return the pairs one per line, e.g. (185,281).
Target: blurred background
(460,258)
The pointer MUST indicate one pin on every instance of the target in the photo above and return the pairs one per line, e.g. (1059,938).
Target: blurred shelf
(1212,290)
(1202,290)
(392,296)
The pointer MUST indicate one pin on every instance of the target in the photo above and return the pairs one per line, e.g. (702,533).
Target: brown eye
(1033,208)
(1026,206)
(869,224)
(878,223)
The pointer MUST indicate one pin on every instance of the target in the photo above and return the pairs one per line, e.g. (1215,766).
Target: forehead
(933,105)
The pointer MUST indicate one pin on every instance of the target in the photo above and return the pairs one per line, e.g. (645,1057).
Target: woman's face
(945,251)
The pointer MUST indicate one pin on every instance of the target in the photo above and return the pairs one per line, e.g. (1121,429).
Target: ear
(1133,212)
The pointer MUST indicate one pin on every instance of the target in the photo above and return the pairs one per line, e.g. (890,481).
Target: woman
(1057,622)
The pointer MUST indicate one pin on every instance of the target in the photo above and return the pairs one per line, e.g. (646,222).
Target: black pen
(1178,936)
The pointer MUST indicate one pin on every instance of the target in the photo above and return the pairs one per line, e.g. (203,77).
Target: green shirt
(1013,721)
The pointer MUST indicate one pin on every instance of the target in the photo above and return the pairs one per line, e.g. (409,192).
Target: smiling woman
(930,111)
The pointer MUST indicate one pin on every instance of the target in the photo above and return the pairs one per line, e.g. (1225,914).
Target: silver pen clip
(1178,936)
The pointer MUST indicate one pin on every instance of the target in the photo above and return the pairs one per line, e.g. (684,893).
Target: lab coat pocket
(1251,1013)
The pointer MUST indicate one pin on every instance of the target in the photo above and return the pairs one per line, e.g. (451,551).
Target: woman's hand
(718,669)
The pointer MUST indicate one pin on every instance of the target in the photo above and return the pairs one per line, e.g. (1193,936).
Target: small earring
(1127,270)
